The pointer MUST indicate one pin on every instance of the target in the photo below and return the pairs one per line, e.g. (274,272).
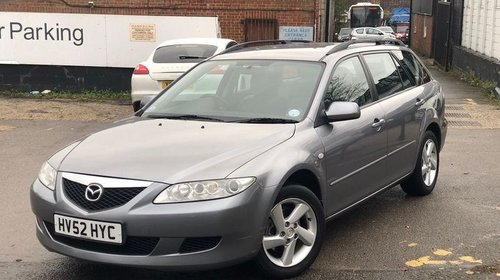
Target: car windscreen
(401,28)
(344,31)
(183,53)
(267,91)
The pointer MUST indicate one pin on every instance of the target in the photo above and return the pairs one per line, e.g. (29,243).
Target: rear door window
(184,53)
(384,73)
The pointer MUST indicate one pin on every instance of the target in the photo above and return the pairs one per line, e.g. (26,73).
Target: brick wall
(232,16)
(231,13)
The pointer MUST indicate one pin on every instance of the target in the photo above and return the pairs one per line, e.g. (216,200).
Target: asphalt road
(454,233)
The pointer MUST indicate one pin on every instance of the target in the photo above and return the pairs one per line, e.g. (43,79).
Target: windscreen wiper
(182,117)
(191,57)
(267,120)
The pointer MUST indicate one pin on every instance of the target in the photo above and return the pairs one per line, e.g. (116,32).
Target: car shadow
(379,209)
(69,268)
(339,234)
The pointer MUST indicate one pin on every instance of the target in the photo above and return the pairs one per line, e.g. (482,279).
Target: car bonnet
(173,151)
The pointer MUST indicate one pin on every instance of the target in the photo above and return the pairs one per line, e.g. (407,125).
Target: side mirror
(145,101)
(343,111)
(381,33)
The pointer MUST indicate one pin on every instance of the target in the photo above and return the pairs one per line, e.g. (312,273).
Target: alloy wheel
(429,162)
(291,232)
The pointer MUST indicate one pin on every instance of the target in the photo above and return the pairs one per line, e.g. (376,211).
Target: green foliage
(487,87)
(340,9)
(86,95)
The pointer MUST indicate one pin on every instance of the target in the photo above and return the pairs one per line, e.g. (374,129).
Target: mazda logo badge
(93,192)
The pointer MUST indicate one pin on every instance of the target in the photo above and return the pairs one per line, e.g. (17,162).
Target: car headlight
(47,176)
(203,190)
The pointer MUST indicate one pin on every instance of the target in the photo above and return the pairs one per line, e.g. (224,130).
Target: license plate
(88,229)
(165,84)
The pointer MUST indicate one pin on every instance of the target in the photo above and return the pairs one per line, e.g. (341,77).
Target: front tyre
(294,233)
(424,177)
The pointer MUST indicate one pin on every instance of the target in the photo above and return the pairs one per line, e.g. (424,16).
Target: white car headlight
(203,190)
(47,176)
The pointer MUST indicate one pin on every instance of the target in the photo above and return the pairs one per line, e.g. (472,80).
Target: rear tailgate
(165,73)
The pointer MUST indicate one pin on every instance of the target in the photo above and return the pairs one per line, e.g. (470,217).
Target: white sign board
(92,40)
(296,33)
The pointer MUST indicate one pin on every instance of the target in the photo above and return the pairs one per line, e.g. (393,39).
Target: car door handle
(420,102)
(378,123)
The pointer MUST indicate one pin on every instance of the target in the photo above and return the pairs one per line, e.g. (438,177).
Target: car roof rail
(249,44)
(345,45)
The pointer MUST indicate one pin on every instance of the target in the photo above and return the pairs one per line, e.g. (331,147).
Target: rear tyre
(293,235)
(424,176)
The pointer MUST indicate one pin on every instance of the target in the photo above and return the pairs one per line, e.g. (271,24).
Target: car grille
(111,197)
(132,246)
(190,245)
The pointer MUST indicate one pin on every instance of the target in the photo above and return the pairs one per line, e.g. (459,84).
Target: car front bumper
(232,226)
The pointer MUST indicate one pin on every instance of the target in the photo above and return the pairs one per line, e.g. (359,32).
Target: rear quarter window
(230,44)
(184,53)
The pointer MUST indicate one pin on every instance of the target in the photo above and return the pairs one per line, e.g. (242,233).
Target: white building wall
(92,39)
(481,27)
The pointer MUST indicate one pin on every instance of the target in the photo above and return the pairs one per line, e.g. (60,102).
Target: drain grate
(454,107)
(457,115)
(464,123)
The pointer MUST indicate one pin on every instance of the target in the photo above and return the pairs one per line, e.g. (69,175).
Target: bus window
(365,14)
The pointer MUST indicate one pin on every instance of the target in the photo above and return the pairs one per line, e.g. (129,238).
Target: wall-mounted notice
(142,32)
(303,33)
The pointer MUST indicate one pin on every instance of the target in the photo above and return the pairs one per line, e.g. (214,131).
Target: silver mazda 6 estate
(245,157)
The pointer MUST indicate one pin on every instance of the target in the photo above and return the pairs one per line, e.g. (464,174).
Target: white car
(370,33)
(169,61)
(386,29)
